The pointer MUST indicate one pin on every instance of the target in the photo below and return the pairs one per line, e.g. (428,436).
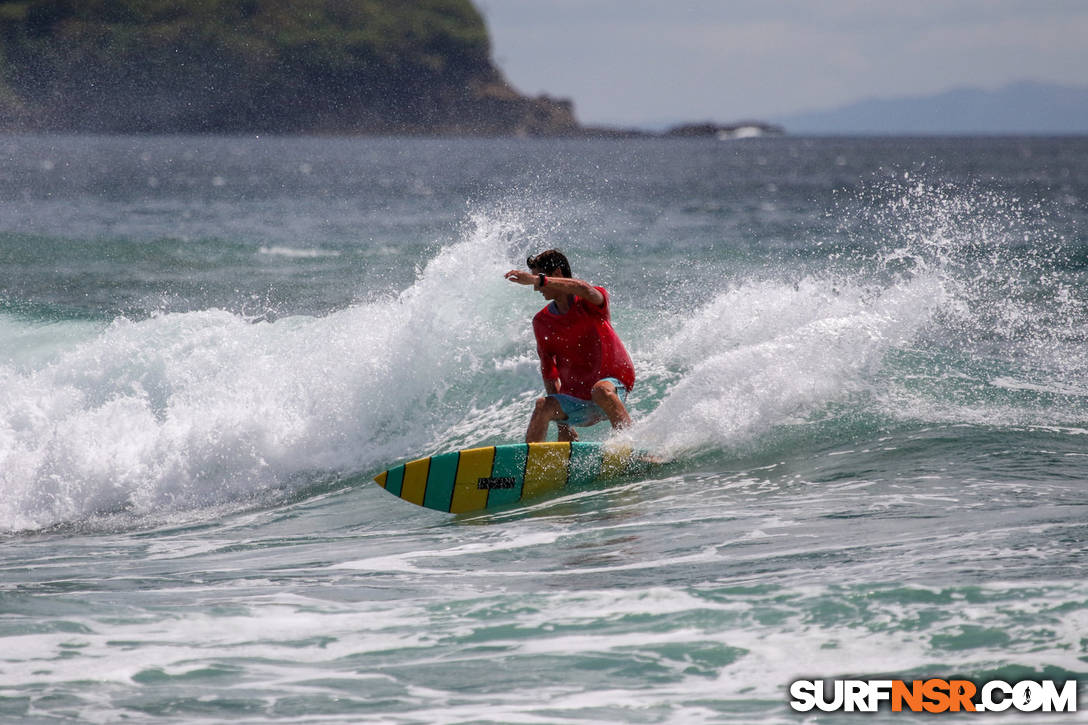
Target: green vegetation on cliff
(387,66)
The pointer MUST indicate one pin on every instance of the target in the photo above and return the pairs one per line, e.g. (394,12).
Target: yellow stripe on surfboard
(473,464)
(415,480)
(615,460)
(546,469)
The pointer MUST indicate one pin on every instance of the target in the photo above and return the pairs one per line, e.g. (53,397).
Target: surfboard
(476,479)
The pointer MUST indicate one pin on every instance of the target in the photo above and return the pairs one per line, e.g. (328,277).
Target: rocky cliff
(232,66)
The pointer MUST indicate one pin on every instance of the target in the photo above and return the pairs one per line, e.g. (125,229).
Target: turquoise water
(866,357)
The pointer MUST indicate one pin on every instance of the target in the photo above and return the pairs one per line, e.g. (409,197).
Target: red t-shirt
(580,347)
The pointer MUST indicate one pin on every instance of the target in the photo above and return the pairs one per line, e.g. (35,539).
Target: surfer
(586,369)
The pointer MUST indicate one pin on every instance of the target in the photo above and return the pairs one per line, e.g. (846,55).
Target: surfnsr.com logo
(933,695)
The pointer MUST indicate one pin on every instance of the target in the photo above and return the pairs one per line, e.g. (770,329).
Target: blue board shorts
(582,413)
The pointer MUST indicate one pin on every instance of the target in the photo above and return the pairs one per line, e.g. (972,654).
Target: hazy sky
(651,62)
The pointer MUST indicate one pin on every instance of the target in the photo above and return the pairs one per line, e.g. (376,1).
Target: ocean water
(866,358)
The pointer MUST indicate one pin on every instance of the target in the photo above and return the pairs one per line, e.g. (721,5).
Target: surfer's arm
(563,285)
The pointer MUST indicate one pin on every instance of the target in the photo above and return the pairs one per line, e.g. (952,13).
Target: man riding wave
(586,369)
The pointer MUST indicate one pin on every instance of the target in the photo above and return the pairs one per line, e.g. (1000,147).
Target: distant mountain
(1020,108)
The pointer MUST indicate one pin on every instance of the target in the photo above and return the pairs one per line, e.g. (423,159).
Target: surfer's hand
(521,277)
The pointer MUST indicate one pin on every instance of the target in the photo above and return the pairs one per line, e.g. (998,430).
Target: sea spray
(1014,304)
(1011,274)
(766,354)
(962,284)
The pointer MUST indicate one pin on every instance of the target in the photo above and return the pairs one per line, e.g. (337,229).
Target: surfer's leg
(605,395)
(546,410)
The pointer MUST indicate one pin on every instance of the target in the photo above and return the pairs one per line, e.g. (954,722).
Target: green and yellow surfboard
(481,478)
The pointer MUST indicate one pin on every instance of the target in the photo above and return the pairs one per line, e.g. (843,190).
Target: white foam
(296,253)
(197,409)
(766,353)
